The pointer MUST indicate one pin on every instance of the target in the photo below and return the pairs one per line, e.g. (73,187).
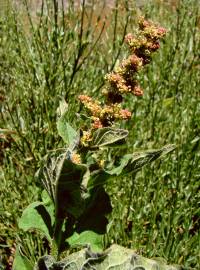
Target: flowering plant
(75,203)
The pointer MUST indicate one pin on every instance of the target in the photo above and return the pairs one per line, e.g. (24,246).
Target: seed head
(123,79)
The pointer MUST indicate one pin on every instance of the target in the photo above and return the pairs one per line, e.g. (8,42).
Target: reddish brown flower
(137,91)
(129,37)
(125,114)
(132,63)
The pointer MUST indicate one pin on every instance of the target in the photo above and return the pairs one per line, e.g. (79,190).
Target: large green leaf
(134,162)
(50,170)
(69,196)
(97,206)
(94,209)
(36,217)
(94,240)
(108,136)
(21,262)
(63,181)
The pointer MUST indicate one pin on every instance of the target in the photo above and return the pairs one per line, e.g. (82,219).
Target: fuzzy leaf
(63,181)
(47,262)
(36,217)
(108,136)
(69,192)
(134,162)
(21,262)
(49,172)
(62,108)
(114,258)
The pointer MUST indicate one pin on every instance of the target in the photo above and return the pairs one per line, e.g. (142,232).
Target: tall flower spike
(123,79)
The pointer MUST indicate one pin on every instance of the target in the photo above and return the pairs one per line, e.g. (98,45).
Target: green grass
(157,212)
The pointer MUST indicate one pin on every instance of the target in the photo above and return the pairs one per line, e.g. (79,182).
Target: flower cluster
(105,115)
(147,40)
(123,79)
(76,158)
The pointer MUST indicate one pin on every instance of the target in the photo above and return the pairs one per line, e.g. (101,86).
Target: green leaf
(50,170)
(49,205)
(134,162)
(97,206)
(108,136)
(69,196)
(65,130)
(63,181)
(94,240)
(21,262)
(36,217)
(97,178)
(62,108)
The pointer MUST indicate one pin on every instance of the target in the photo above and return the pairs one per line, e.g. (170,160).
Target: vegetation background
(61,51)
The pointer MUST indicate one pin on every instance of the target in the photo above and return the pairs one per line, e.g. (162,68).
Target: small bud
(125,114)
(154,46)
(76,158)
(101,163)
(142,23)
(117,82)
(86,138)
(133,63)
(128,38)
(161,31)
(137,91)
